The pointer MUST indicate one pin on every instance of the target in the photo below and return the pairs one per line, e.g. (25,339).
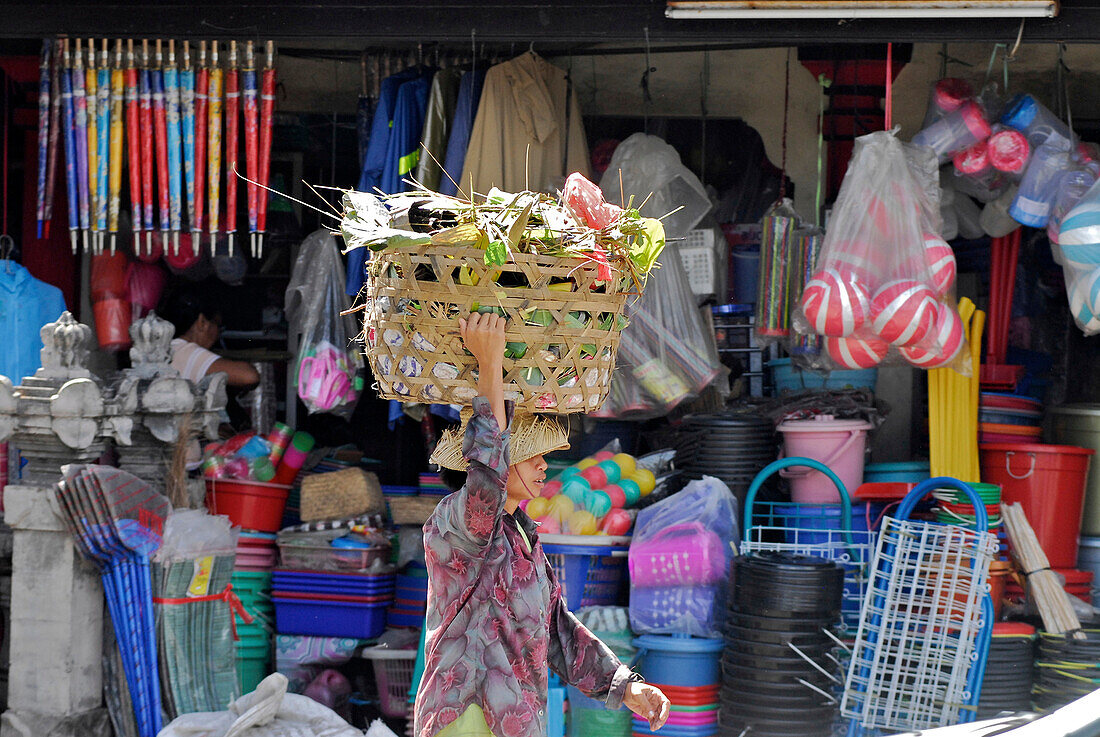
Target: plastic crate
(697,254)
(590,575)
(393,673)
(329,618)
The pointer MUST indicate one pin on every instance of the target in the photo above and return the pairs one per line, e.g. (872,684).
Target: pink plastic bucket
(686,554)
(839,444)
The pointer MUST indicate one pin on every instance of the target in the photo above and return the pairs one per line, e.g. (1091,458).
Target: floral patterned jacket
(496,615)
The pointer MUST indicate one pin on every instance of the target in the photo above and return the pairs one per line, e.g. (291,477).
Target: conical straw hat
(532,435)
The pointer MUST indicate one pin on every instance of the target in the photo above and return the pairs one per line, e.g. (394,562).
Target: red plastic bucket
(250,504)
(1049,482)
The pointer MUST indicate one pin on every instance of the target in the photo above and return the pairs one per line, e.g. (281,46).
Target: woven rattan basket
(562,340)
(339,494)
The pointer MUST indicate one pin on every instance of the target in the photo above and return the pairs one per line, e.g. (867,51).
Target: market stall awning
(842,9)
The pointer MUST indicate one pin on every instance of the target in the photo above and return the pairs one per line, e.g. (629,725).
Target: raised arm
(467,519)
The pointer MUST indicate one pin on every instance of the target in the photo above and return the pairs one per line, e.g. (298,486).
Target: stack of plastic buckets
(410,601)
(1049,483)
(1079,424)
(253,588)
(686,669)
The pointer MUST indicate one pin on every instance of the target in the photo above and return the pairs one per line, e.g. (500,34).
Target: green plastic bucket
(1079,425)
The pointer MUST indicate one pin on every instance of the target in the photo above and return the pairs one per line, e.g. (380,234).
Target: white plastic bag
(269,711)
(329,366)
(885,279)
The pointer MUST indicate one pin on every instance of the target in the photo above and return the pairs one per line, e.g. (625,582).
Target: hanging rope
(825,83)
(786,111)
(646,96)
(889,86)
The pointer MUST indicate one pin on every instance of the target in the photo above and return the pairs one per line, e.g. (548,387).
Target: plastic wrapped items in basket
(334,550)
(561,282)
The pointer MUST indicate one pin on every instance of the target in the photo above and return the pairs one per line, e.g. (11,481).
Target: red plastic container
(250,504)
(1049,482)
(112,323)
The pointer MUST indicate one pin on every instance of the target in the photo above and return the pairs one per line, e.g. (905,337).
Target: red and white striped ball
(947,340)
(940,258)
(836,303)
(903,312)
(856,353)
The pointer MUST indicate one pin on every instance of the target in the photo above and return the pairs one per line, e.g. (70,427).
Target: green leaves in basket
(515,350)
(460,235)
(541,318)
(496,253)
(515,231)
(533,376)
(647,243)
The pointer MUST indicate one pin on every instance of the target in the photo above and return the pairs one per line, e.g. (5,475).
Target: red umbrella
(202,88)
(267,123)
(55,133)
(145,122)
(160,115)
(133,142)
(251,144)
(232,124)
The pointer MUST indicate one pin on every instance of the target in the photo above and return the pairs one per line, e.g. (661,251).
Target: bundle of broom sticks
(1044,587)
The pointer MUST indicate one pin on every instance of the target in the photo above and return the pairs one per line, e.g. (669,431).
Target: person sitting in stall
(197,327)
(496,617)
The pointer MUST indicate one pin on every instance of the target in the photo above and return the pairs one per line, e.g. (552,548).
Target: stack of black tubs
(731,446)
(781,602)
(1009,674)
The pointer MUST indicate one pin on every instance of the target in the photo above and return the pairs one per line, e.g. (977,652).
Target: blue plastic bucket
(679,660)
(746,274)
(789,378)
(905,472)
(589,575)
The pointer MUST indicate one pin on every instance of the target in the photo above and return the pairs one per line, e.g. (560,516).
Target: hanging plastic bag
(667,354)
(885,280)
(329,368)
(679,560)
(1079,248)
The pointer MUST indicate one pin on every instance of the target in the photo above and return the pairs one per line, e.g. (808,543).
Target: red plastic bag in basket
(586,201)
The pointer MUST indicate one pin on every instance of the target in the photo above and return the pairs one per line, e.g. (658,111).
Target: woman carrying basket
(496,617)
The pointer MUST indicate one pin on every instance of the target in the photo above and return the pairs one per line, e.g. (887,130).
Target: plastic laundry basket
(590,575)
(393,673)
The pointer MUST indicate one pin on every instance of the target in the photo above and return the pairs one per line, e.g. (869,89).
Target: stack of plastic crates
(832,531)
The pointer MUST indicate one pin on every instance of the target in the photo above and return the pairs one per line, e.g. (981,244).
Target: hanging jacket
(403,148)
(469,96)
(528,133)
(374,162)
(26,304)
(442,100)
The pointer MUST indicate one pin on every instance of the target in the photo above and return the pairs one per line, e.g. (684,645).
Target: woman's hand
(483,335)
(647,702)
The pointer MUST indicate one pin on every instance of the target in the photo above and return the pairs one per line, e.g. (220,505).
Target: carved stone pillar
(58,416)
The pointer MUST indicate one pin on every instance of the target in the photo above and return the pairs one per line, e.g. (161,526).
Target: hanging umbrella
(70,145)
(187,111)
(251,142)
(133,143)
(90,94)
(80,132)
(103,143)
(175,169)
(202,101)
(55,134)
(232,133)
(117,126)
(145,122)
(267,123)
(215,143)
(43,133)
(161,115)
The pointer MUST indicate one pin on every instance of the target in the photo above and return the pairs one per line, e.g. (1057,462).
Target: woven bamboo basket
(561,344)
(340,494)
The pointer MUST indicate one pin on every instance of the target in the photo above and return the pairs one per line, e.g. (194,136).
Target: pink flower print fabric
(496,616)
